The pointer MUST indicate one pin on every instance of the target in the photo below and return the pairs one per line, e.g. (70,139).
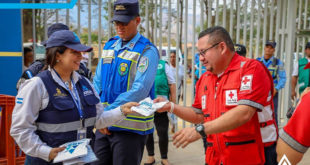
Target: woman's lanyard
(76,99)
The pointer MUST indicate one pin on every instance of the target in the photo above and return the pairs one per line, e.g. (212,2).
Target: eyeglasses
(203,52)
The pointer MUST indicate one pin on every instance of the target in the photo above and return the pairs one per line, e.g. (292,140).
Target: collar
(270,59)
(75,77)
(233,65)
(130,45)
(307,66)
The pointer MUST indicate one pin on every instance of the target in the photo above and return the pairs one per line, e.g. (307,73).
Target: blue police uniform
(126,73)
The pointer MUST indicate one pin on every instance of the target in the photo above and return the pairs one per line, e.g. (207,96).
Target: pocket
(247,147)
(63,104)
(91,100)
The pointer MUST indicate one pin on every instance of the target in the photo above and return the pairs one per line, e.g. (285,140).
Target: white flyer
(73,150)
(90,157)
(147,107)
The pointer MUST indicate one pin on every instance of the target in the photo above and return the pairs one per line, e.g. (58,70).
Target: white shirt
(170,74)
(181,74)
(295,67)
(33,97)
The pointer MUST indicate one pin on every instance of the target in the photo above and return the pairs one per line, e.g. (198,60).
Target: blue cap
(307,45)
(68,39)
(53,28)
(125,10)
(271,43)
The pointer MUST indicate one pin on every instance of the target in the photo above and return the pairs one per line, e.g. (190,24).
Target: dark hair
(51,55)
(218,34)
(27,49)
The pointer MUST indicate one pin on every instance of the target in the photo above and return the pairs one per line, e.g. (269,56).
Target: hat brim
(270,45)
(307,66)
(44,43)
(79,47)
(123,18)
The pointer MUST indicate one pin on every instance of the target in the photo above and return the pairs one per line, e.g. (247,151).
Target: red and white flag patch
(231,97)
(246,83)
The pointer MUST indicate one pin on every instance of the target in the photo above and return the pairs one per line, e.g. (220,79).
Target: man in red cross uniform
(228,97)
(294,138)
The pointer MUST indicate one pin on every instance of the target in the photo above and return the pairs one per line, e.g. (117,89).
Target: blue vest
(118,74)
(59,121)
(273,68)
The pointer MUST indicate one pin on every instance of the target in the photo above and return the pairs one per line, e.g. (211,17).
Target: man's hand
(274,91)
(126,108)
(185,136)
(293,94)
(54,152)
(166,107)
(105,131)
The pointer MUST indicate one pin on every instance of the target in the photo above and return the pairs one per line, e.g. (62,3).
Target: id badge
(81,133)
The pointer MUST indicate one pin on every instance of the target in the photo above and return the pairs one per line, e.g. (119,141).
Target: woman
(59,105)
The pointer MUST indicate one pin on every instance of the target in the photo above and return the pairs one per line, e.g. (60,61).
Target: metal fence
(176,23)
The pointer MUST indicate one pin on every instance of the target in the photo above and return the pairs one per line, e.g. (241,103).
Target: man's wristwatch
(201,130)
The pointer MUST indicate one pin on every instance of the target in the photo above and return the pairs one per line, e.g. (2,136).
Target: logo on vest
(160,66)
(246,83)
(231,97)
(143,64)
(59,93)
(123,69)
(86,91)
(284,161)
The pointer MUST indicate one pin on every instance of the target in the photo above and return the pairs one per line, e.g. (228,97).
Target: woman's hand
(126,108)
(54,152)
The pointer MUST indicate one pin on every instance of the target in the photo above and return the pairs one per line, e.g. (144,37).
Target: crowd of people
(234,110)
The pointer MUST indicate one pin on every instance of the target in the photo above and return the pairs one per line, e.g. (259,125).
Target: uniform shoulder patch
(143,64)
(246,83)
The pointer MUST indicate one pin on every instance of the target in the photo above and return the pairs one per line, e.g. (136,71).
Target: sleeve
(295,68)
(106,118)
(170,74)
(29,101)
(199,92)
(255,85)
(144,79)
(282,76)
(97,78)
(297,131)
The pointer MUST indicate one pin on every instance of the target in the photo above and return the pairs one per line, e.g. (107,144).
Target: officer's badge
(143,64)
(131,45)
(123,69)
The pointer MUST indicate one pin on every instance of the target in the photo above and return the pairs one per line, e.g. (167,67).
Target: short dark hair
(51,54)
(27,49)
(218,34)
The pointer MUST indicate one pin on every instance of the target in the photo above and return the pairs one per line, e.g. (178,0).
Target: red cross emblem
(246,80)
(231,95)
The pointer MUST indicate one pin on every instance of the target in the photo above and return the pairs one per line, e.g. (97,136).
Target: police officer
(301,74)
(228,97)
(240,49)
(125,73)
(276,69)
(58,105)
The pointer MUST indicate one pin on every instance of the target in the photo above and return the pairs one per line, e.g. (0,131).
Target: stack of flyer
(76,152)
(147,107)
